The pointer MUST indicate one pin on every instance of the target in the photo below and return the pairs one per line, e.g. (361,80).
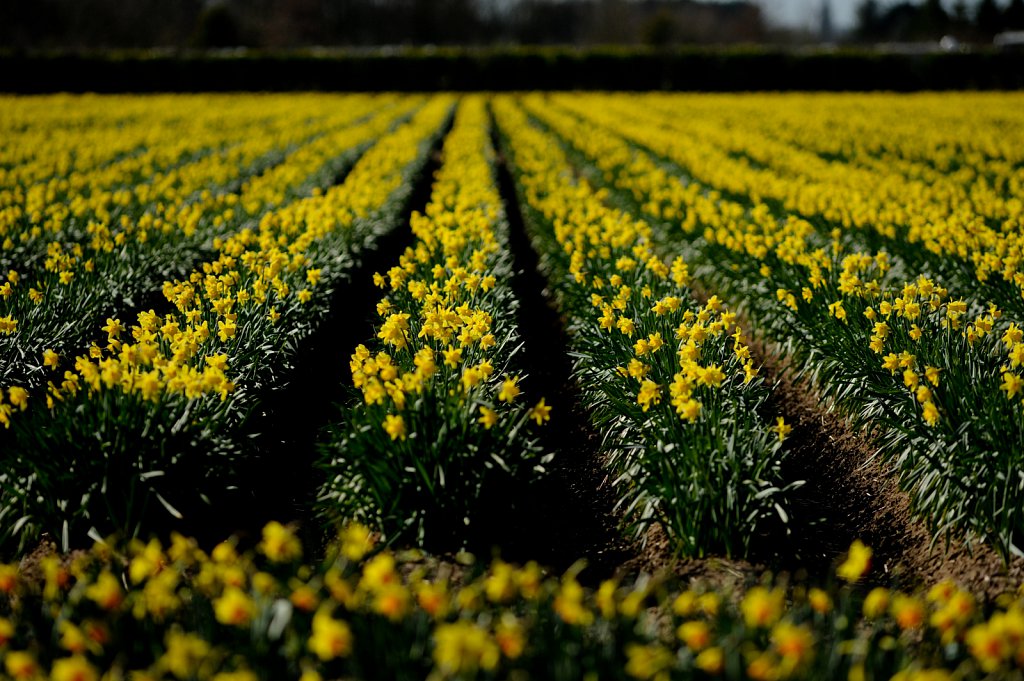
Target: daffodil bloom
(794,643)
(762,607)
(820,601)
(695,634)
(279,543)
(857,563)
(75,668)
(650,393)
(509,389)
(356,541)
(488,417)
(908,612)
(464,648)
(394,426)
(711,661)
(234,608)
(541,413)
(330,638)
(1012,384)
(106,591)
(988,646)
(782,429)
(6,632)
(876,603)
(648,661)
(18,397)
(21,665)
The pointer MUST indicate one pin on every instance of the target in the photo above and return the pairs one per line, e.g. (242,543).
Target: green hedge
(509,69)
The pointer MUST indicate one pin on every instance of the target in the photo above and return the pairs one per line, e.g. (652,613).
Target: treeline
(906,21)
(277,24)
(532,68)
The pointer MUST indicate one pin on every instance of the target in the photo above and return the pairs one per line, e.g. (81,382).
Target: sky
(805,13)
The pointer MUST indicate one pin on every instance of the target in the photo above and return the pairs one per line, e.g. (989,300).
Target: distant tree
(659,30)
(1013,16)
(934,21)
(988,18)
(959,15)
(902,22)
(610,22)
(868,20)
(217,27)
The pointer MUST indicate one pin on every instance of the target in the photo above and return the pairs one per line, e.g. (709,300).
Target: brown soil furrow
(850,493)
(569,514)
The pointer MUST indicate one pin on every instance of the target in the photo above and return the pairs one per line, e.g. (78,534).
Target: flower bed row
(147,611)
(441,414)
(962,222)
(941,376)
(119,261)
(669,382)
(155,415)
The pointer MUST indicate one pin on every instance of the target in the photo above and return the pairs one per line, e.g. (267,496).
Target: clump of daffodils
(230,615)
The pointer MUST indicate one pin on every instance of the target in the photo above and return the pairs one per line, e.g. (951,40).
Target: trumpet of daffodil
(908,611)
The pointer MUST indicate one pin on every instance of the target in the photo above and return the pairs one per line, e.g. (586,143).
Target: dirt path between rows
(852,494)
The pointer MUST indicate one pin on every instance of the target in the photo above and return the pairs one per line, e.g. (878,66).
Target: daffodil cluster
(936,183)
(163,400)
(107,249)
(670,380)
(442,410)
(937,368)
(149,611)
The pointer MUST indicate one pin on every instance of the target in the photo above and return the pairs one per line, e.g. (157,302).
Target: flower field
(736,382)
